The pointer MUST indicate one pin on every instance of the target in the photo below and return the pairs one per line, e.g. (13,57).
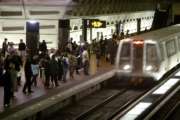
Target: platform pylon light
(63,33)
(32,37)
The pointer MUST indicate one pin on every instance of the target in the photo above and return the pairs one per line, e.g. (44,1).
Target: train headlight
(126,67)
(149,68)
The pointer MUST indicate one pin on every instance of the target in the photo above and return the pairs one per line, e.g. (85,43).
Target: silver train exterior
(149,55)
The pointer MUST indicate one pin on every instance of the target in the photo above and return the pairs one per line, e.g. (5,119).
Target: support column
(138,25)
(118,25)
(91,35)
(63,33)
(32,37)
(84,30)
(93,60)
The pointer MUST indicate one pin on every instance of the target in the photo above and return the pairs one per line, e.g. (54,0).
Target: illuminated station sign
(95,23)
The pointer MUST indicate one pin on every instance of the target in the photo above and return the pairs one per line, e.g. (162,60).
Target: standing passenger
(4,47)
(85,60)
(60,66)
(22,49)
(43,47)
(112,48)
(72,64)
(65,62)
(1,67)
(13,72)
(28,75)
(18,63)
(35,70)
(54,71)
(11,48)
(7,82)
(46,70)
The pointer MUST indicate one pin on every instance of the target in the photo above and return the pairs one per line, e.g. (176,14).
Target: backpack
(65,62)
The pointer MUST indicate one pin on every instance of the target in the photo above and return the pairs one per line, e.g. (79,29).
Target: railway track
(168,109)
(114,106)
(101,105)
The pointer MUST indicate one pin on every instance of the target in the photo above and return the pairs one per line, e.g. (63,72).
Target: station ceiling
(86,7)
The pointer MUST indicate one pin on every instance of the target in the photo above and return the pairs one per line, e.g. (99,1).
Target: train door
(177,49)
(152,60)
(137,60)
(162,57)
(178,46)
(171,53)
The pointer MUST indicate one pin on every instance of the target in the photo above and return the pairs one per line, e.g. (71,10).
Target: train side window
(162,51)
(151,55)
(170,48)
(125,52)
(179,42)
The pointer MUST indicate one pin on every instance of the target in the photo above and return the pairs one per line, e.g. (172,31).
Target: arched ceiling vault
(60,8)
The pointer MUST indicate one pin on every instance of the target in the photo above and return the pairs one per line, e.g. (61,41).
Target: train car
(149,56)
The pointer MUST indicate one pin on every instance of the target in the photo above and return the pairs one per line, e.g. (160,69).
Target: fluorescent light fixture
(166,86)
(151,41)
(149,68)
(126,67)
(137,110)
(32,21)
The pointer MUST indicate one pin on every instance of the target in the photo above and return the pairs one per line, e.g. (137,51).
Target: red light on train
(138,42)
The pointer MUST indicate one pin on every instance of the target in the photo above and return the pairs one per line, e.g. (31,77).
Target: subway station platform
(22,100)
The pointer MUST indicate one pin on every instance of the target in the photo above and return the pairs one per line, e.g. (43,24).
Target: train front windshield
(131,56)
(125,56)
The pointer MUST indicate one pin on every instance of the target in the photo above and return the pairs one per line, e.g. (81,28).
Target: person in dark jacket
(60,66)
(4,47)
(18,63)
(28,75)
(22,49)
(54,71)
(7,82)
(112,48)
(43,48)
(1,68)
(7,88)
(46,66)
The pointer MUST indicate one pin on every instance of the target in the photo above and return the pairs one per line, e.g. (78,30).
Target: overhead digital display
(95,23)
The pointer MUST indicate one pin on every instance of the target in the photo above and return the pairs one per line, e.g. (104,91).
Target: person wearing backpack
(65,62)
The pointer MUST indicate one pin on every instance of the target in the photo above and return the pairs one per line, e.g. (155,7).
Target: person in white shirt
(85,60)
(35,70)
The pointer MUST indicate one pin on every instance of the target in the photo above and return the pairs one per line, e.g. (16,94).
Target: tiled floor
(21,98)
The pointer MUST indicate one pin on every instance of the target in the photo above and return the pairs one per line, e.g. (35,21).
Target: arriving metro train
(149,56)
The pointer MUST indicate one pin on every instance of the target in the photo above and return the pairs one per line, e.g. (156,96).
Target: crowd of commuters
(53,65)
